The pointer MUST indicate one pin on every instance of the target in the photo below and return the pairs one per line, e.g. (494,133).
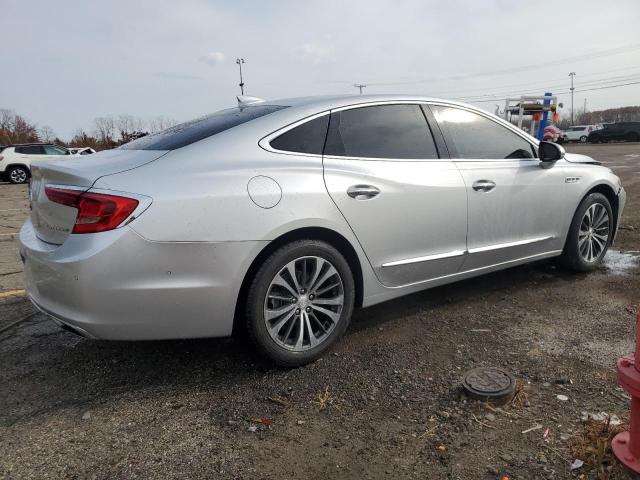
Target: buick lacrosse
(282,217)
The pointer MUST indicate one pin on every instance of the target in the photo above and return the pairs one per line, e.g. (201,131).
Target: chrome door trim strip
(551,253)
(499,246)
(426,258)
(458,253)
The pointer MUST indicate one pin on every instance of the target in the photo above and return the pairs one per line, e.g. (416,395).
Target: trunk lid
(53,222)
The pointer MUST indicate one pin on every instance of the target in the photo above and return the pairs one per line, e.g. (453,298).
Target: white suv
(579,133)
(15,160)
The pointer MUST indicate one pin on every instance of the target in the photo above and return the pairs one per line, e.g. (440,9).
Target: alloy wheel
(594,232)
(304,303)
(18,175)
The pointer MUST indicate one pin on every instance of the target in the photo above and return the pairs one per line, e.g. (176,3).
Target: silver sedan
(282,217)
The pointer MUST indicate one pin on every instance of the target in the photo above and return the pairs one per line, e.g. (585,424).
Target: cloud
(315,53)
(213,58)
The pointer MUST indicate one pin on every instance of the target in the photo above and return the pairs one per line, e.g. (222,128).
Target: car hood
(577,158)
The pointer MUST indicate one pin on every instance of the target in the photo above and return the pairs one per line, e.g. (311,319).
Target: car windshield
(200,128)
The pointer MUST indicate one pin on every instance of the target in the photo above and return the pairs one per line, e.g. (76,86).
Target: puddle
(621,263)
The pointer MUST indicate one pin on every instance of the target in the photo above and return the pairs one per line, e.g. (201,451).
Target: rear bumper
(117,285)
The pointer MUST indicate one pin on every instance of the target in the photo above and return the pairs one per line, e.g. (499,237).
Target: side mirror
(550,152)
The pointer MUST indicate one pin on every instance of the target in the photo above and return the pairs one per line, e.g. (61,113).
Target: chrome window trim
(264,141)
(144,202)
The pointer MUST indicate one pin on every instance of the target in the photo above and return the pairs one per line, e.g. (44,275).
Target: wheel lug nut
(312,296)
(297,311)
(308,309)
(303,291)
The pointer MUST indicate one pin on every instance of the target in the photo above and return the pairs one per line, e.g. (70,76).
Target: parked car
(279,218)
(15,160)
(578,133)
(82,150)
(625,131)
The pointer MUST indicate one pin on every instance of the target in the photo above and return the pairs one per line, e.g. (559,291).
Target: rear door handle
(484,185)
(362,192)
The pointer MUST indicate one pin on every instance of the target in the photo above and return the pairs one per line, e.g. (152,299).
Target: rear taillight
(97,212)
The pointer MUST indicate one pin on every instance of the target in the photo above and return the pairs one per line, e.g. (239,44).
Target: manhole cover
(489,384)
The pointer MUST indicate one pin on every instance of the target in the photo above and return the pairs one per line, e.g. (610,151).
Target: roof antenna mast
(240,61)
(359,86)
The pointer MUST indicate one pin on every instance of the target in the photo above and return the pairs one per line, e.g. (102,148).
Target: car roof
(325,102)
(34,144)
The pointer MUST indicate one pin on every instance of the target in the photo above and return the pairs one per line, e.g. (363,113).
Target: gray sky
(64,63)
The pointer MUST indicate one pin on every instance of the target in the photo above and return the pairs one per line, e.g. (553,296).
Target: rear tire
(18,174)
(590,234)
(583,139)
(594,139)
(300,302)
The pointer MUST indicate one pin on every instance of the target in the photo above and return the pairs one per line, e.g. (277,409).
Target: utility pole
(572,74)
(240,61)
(585,105)
(360,86)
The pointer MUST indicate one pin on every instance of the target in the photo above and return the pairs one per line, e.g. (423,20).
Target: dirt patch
(385,402)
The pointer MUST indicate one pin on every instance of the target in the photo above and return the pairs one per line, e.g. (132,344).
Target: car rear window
(200,128)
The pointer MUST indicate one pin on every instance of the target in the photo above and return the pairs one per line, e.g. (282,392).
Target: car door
(515,205)
(405,203)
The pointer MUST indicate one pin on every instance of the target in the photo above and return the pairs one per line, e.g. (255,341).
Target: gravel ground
(385,402)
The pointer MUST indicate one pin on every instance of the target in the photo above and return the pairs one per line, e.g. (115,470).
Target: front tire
(590,234)
(583,139)
(300,302)
(18,175)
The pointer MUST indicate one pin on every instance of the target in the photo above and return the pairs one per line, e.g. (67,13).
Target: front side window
(473,136)
(306,138)
(200,128)
(50,150)
(381,131)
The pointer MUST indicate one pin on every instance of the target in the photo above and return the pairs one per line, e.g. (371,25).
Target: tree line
(109,131)
(610,115)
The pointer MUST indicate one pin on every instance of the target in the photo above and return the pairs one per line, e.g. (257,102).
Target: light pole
(240,61)
(572,74)
(359,86)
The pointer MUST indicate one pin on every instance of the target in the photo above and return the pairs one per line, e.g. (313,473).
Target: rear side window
(306,138)
(381,131)
(473,136)
(51,150)
(200,128)
(30,150)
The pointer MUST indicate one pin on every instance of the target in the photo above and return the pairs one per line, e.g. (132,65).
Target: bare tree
(16,129)
(46,133)
(160,123)
(105,129)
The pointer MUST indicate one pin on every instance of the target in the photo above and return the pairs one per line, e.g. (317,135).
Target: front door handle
(484,185)
(362,192)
